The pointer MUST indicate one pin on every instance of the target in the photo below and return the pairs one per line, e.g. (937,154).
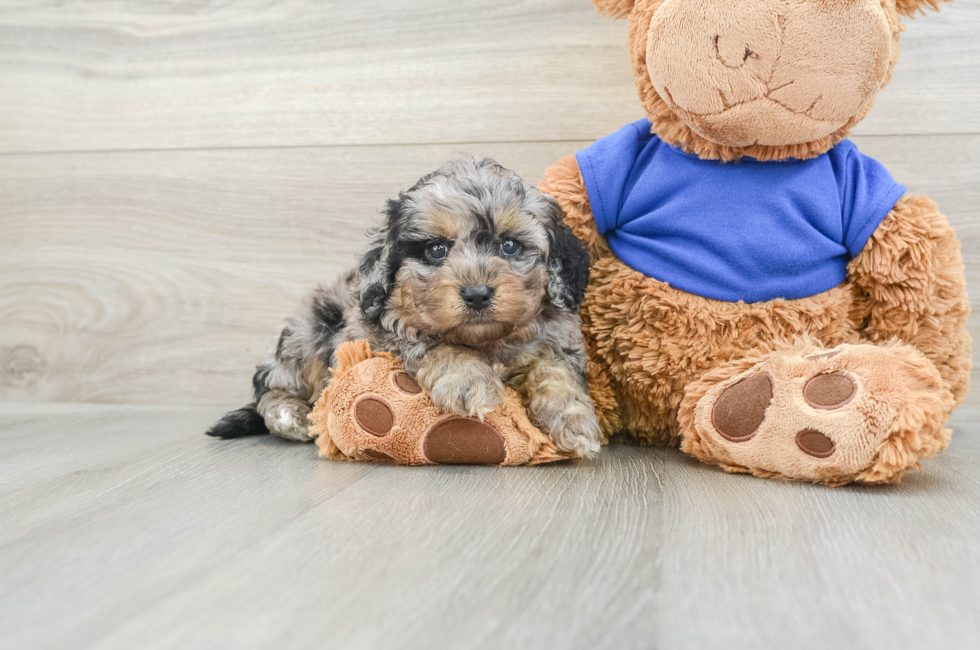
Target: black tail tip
(238,424)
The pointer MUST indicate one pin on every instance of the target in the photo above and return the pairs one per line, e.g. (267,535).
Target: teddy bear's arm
(563,180)
(909,283)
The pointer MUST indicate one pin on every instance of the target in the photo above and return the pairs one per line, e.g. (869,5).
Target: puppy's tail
(246,421)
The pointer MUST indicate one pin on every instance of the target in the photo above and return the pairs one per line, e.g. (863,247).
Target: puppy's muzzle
(477,297)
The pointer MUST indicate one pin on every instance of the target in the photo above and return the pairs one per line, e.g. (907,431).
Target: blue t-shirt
(744,230)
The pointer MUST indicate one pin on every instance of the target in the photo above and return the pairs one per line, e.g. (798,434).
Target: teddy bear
(762,294)
(374,411)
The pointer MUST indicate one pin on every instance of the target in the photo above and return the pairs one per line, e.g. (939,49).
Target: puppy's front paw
(467,394)
(574,429)
(460,382)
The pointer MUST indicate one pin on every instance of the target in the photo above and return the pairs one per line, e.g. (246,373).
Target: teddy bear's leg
(857,412)
(601,390)
(909,284)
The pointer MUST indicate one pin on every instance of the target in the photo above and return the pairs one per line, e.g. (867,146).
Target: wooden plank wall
(175,175)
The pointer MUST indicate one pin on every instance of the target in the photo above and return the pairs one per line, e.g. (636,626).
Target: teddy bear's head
(768,79)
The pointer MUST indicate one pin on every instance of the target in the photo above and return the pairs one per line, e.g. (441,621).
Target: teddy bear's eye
(509,247)
(436,251)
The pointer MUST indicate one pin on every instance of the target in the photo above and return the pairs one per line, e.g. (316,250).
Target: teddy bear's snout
(771,72)
(733,51)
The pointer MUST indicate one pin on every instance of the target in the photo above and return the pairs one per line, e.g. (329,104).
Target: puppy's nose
(477,297)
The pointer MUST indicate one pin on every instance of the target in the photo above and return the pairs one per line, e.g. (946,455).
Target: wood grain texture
(129,74)
(161,277)
(128,528)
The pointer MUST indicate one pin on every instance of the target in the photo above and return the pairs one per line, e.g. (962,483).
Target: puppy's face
(468,256)
(468,277)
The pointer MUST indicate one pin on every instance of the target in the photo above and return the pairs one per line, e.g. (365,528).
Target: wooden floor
(123,527)
(174,176)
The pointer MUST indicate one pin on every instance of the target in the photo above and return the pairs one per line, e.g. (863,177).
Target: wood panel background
(175,175)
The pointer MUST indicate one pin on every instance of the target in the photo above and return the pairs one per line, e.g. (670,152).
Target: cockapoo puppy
(474,282)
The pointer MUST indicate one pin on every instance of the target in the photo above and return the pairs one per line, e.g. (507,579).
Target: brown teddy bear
(762,294)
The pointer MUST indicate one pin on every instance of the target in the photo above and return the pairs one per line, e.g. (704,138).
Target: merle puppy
(474,282)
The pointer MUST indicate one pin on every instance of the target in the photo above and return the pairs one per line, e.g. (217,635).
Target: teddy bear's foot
(860,413)
(374,411)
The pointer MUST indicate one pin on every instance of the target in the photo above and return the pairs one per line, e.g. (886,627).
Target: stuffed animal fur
(374,411)
(852,380)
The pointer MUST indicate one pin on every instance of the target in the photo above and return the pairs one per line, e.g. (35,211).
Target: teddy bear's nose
(733,51)
(755,73)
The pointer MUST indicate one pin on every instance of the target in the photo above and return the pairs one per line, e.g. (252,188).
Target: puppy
(474,282)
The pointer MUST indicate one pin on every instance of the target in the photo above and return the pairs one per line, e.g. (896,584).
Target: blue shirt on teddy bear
(744,230)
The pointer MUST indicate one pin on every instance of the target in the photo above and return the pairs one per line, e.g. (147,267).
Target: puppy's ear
(616,8)
(377,274)
(568,263)
(911,7)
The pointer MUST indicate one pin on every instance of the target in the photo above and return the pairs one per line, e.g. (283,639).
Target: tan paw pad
(741,408)
(406,383)
(814,443)
(465,441)
(374,415)
(831,390)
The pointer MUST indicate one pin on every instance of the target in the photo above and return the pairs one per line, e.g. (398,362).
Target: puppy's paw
(469,395)
(460,382)
(286,418)
(574,429)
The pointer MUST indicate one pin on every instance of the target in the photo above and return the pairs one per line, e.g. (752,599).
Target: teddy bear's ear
(622,8)
(910,7)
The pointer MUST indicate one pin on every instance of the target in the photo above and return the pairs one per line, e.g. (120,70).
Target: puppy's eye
(509,247)
(436,251)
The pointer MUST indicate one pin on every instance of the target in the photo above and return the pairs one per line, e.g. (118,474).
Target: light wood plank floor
(123,527)
(175,175)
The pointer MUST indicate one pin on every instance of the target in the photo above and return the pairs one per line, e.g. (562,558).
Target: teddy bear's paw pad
(741,408)
(814,443)
(829,391)
(374,415)
(406,383)
(815,415)
(464,441)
